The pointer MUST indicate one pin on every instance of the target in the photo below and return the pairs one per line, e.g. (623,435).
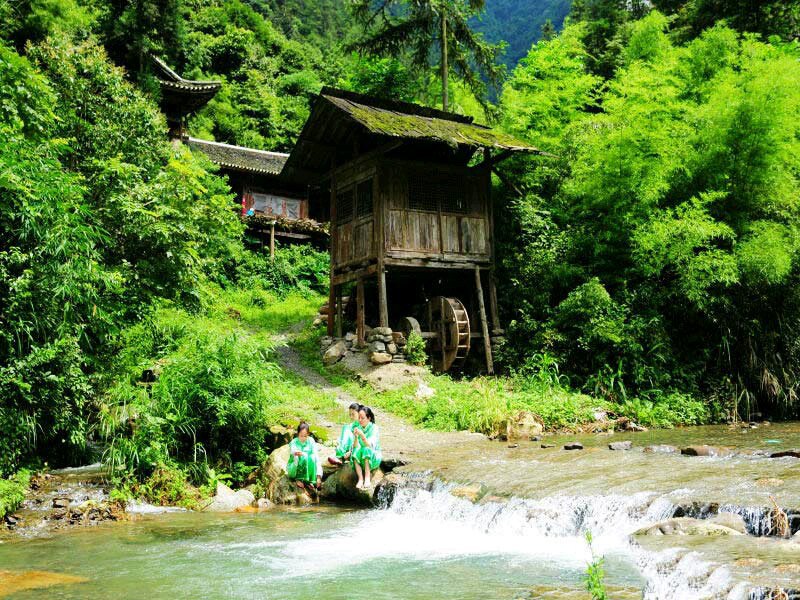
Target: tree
(393,27)
(548,31)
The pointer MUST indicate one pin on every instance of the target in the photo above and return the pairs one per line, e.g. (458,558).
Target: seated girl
(304,464)
(345,446)
(366,455)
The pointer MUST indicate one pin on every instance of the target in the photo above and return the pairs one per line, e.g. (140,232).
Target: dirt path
(400,440)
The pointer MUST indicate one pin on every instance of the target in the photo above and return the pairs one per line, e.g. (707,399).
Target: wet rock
(697,510)
(60,502)
(227,500)
(548,445)
(785,454)
(277,486)
(342,486)
(627,445)
(769,482)
(705,450)
(730,520)
(380,358)
(262,504)
(793,569)
(12,582)
(472,492)
(687,526)
(573,446)
(749,562)
(58,514)
(660,449)
(625,424)
(513,445)
(12,520)
(334,354)
(522,426)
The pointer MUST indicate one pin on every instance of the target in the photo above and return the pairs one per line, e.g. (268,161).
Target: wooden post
(360,312)
(339,311)
(331,307)
(487,343)
(272,241)
(382,301)
(493,304)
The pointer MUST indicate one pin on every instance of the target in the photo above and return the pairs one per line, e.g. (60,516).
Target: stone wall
(383,346)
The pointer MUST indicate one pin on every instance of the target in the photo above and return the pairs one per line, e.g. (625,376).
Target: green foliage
(595,574)
(12,492)
(415,349)
(295,269)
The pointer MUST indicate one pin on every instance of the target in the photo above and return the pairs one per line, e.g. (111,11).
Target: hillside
(519,22)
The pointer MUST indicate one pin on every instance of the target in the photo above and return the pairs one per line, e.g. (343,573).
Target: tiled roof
(170,79)
(240,158)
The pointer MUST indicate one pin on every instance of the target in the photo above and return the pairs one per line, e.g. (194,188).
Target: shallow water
(527,543)
(317,553)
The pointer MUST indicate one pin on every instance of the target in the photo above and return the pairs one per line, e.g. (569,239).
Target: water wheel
(449,321)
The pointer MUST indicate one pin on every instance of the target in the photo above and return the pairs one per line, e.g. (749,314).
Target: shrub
(12,492)
(415,349)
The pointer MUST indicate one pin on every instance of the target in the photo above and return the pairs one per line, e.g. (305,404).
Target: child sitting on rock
(345,446)
(304,464)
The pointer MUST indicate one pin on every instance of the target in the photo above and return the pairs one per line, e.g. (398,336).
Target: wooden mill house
(408,193)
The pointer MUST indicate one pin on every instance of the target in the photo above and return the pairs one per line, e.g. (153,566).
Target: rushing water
(525,539)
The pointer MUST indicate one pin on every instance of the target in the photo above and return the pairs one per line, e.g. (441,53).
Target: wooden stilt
(339,311)
(331,307)
(493,304)
(361,338)
(487,343)
(382,301)
(272,241)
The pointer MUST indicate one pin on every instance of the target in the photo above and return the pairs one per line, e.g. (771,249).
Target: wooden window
(344,205)
(434,192)
(364,199)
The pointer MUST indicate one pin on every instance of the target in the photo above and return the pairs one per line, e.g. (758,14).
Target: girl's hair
(368,411)
(355,406)
(303,425)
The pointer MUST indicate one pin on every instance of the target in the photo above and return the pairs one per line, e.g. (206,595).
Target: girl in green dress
(345,446)
(366,455)
(304,464)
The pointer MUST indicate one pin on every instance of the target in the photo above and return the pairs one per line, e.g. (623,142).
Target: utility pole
(444,57)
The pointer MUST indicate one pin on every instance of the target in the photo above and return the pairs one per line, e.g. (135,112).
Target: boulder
(227,500)
(380,358)
(398,338)
(626,445)
(785,454)
(424,391)
(277,486)
(660,449)
(686,526)
(730,520)
(391,348)
(334,354)
(342,486)
(472,492)
(376,346)
(522,426)
(573,446)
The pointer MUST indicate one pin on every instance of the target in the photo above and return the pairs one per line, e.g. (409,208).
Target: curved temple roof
(240,158)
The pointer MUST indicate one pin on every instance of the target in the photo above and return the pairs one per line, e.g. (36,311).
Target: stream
(524,537)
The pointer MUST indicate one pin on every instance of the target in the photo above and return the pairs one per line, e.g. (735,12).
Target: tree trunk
(444,60)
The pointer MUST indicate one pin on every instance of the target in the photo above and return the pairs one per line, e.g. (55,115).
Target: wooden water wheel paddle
(448,320)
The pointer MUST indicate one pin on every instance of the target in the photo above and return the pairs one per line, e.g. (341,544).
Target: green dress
(345,439)
(307,466)
(371,453)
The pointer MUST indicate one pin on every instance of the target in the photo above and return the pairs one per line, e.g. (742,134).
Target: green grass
(482,403)
(12,492)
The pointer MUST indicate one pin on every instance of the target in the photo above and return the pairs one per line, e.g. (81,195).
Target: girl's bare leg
(360,483)
(367,479)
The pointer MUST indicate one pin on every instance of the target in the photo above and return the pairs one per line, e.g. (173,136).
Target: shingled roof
(240,158)
(341,120)
(411,121)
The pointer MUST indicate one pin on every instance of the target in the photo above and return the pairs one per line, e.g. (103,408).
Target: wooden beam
(331,308)
(487,343)
(360,308)
(272,241)
(493,304)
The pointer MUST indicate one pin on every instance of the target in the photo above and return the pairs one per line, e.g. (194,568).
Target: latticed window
(344,206)
(437,192)
(364,195)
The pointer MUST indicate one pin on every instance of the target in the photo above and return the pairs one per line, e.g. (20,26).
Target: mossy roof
(411,121)
(240,158)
